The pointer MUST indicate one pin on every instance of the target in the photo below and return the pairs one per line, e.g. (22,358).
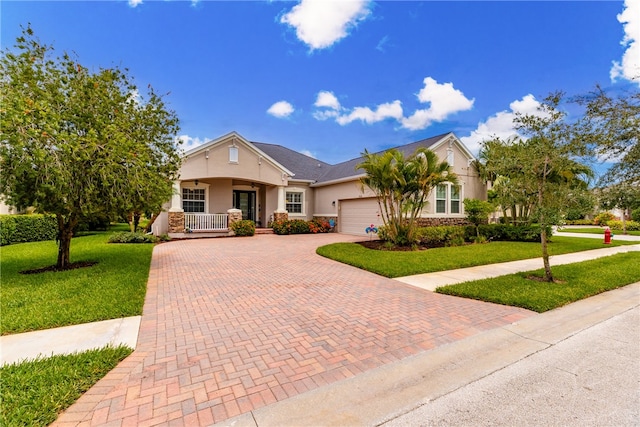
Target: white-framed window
(194,200)
(448,199)
(441,198)
(295,202)
(233,154)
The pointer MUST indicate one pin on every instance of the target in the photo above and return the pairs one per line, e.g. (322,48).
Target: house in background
(230,178)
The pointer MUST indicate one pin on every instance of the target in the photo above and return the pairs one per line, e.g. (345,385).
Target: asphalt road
(591,378)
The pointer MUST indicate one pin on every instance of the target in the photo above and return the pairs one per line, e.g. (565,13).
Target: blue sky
(331,78)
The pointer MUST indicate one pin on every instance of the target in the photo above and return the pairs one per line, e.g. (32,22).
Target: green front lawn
(406,263)
(596,230)
(34,393)
(114,287)
(578,281)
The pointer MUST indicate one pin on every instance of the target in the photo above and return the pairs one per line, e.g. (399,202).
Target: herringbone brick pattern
(230,325)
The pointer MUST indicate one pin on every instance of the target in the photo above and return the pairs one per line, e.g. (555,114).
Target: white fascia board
(339,180)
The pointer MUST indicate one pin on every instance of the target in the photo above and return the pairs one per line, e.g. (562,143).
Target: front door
(246,202)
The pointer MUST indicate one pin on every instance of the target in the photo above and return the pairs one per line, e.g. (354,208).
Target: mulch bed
(71,266)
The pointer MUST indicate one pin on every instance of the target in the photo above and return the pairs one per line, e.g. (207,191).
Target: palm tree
(402,187)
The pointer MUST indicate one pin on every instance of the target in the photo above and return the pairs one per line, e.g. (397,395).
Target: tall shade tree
(542,170)
(611,126)
(76,143)
(402,186)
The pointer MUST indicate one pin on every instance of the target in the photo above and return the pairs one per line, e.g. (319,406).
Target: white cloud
(629,68)
(443,100)
(189,142)
(327,99)
(281,109)
(501,124)
(134,3)
(389,110)
(321,23)
(308,153)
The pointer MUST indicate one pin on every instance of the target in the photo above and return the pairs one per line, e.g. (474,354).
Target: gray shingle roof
(308,168)
(304,167)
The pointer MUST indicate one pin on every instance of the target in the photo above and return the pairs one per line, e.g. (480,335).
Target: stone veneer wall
(233,215)
(280,216)
(176,222)
(429,222)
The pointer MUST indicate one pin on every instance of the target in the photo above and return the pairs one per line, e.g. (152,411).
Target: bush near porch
(299,226)
(244,227)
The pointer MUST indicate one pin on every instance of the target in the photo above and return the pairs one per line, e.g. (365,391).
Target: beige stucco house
(231,176)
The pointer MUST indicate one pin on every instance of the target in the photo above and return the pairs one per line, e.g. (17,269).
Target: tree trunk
(65,233)
(548,277)
(153,218)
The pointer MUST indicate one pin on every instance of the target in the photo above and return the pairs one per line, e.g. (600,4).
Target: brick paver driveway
(231,325)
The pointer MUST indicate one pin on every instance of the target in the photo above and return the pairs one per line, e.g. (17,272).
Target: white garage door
(358,214)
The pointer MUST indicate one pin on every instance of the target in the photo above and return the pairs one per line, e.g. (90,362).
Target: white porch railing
(205,222)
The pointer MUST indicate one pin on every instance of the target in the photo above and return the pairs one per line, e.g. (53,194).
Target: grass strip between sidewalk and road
(574,282)
(33,393)
(407,263)
(113,288)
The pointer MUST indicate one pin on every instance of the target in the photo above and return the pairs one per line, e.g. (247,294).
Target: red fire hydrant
(607,236)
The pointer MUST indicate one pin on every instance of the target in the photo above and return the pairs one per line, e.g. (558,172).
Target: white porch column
(281,204)
(176,198)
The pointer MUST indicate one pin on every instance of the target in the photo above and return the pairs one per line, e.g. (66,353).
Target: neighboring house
(230,177)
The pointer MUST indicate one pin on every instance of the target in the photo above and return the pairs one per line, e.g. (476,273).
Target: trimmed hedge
(512,233)
(129,237)
(27,228)
(300,226)
(442,235)
(579,222)
(617,225)
(244,227)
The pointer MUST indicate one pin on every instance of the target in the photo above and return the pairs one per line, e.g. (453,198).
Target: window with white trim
(441,198)
(448,199)
(455,199)
(233,154)
(193,200)
(294,201)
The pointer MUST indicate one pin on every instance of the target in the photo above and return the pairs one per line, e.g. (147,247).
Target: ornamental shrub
(579,222)
(300,226)
(512,233)
(27,228)
(635,215)
(617,225)
(129,237)
(244,227)
(444,235)
(603,217)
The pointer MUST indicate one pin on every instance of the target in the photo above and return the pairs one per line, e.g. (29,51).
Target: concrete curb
(69,339)
(383,394)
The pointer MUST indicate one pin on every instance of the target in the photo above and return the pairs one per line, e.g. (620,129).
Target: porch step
(264,230)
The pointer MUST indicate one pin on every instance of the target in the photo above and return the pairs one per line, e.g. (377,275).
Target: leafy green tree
(611,126)
(542,171)
(77,143)
(477,212)
(402,186)
(624,196)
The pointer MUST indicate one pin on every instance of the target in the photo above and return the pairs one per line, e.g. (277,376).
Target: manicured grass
(580,280)
(33,393)
(399,263)
(596,230)
(114,287)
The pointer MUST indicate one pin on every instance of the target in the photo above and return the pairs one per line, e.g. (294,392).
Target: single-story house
(230,177)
